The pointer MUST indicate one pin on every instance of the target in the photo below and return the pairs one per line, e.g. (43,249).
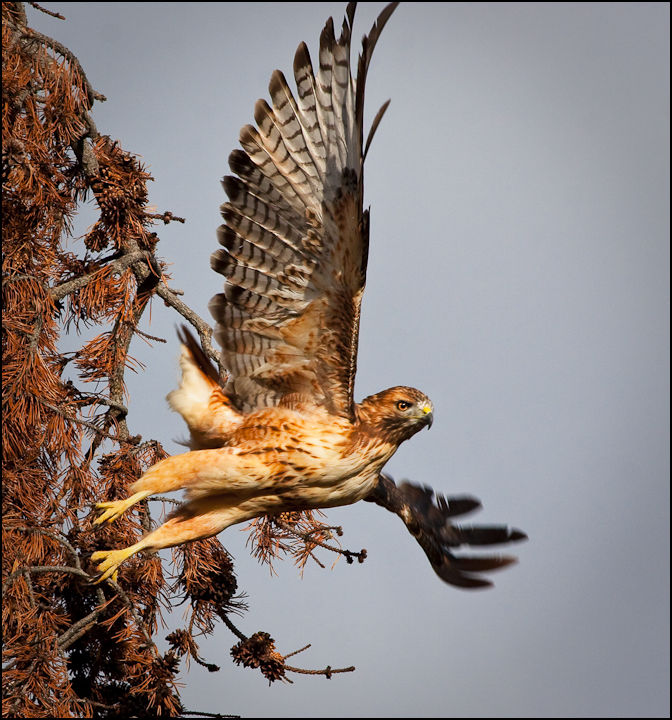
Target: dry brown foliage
(297,534)
(72,648)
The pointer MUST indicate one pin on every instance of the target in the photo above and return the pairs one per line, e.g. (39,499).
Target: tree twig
(47,12)
(327,672)
(32,35)
(58,292)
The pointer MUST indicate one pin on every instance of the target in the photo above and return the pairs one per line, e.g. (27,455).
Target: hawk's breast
(318,459)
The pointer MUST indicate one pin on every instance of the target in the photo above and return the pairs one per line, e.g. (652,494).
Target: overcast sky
(518,274)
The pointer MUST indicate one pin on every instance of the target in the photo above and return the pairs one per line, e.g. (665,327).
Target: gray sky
(518,273)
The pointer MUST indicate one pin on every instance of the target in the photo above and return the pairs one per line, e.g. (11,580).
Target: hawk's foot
(112,510)
(111,560)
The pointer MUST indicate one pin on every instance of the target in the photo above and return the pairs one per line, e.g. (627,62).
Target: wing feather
(427,517)
(306,108)
(295,239)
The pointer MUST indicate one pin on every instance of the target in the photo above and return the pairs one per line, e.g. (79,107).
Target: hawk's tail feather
(205,406)
(186,337)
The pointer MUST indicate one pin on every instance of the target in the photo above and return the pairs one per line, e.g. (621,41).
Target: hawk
(284,432)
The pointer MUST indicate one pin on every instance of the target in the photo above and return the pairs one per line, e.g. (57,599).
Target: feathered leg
(224,487)
(200,518)
(164,476)
(200,472)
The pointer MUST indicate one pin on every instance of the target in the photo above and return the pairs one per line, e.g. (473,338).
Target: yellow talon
(111,560)
(112,510)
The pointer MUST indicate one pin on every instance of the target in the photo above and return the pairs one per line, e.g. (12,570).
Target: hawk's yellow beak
(428,414)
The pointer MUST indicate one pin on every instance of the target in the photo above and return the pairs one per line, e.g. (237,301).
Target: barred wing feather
(295,238)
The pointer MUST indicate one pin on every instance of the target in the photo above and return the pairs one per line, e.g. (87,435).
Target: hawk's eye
(403,405)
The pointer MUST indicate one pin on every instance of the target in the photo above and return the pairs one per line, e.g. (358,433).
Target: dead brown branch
(308,538)
(47,12)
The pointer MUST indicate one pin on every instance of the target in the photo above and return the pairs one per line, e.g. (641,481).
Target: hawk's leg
(200,518)
(172,473)
(164,476)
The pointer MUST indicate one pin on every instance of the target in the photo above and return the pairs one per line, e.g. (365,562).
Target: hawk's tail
(200,400)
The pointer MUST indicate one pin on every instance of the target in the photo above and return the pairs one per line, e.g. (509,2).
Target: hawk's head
(396,413)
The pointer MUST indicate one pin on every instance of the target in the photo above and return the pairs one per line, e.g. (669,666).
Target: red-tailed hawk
(284,433)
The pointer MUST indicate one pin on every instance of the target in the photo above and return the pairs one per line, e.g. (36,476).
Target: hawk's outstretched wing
(428,518)
(295,238)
